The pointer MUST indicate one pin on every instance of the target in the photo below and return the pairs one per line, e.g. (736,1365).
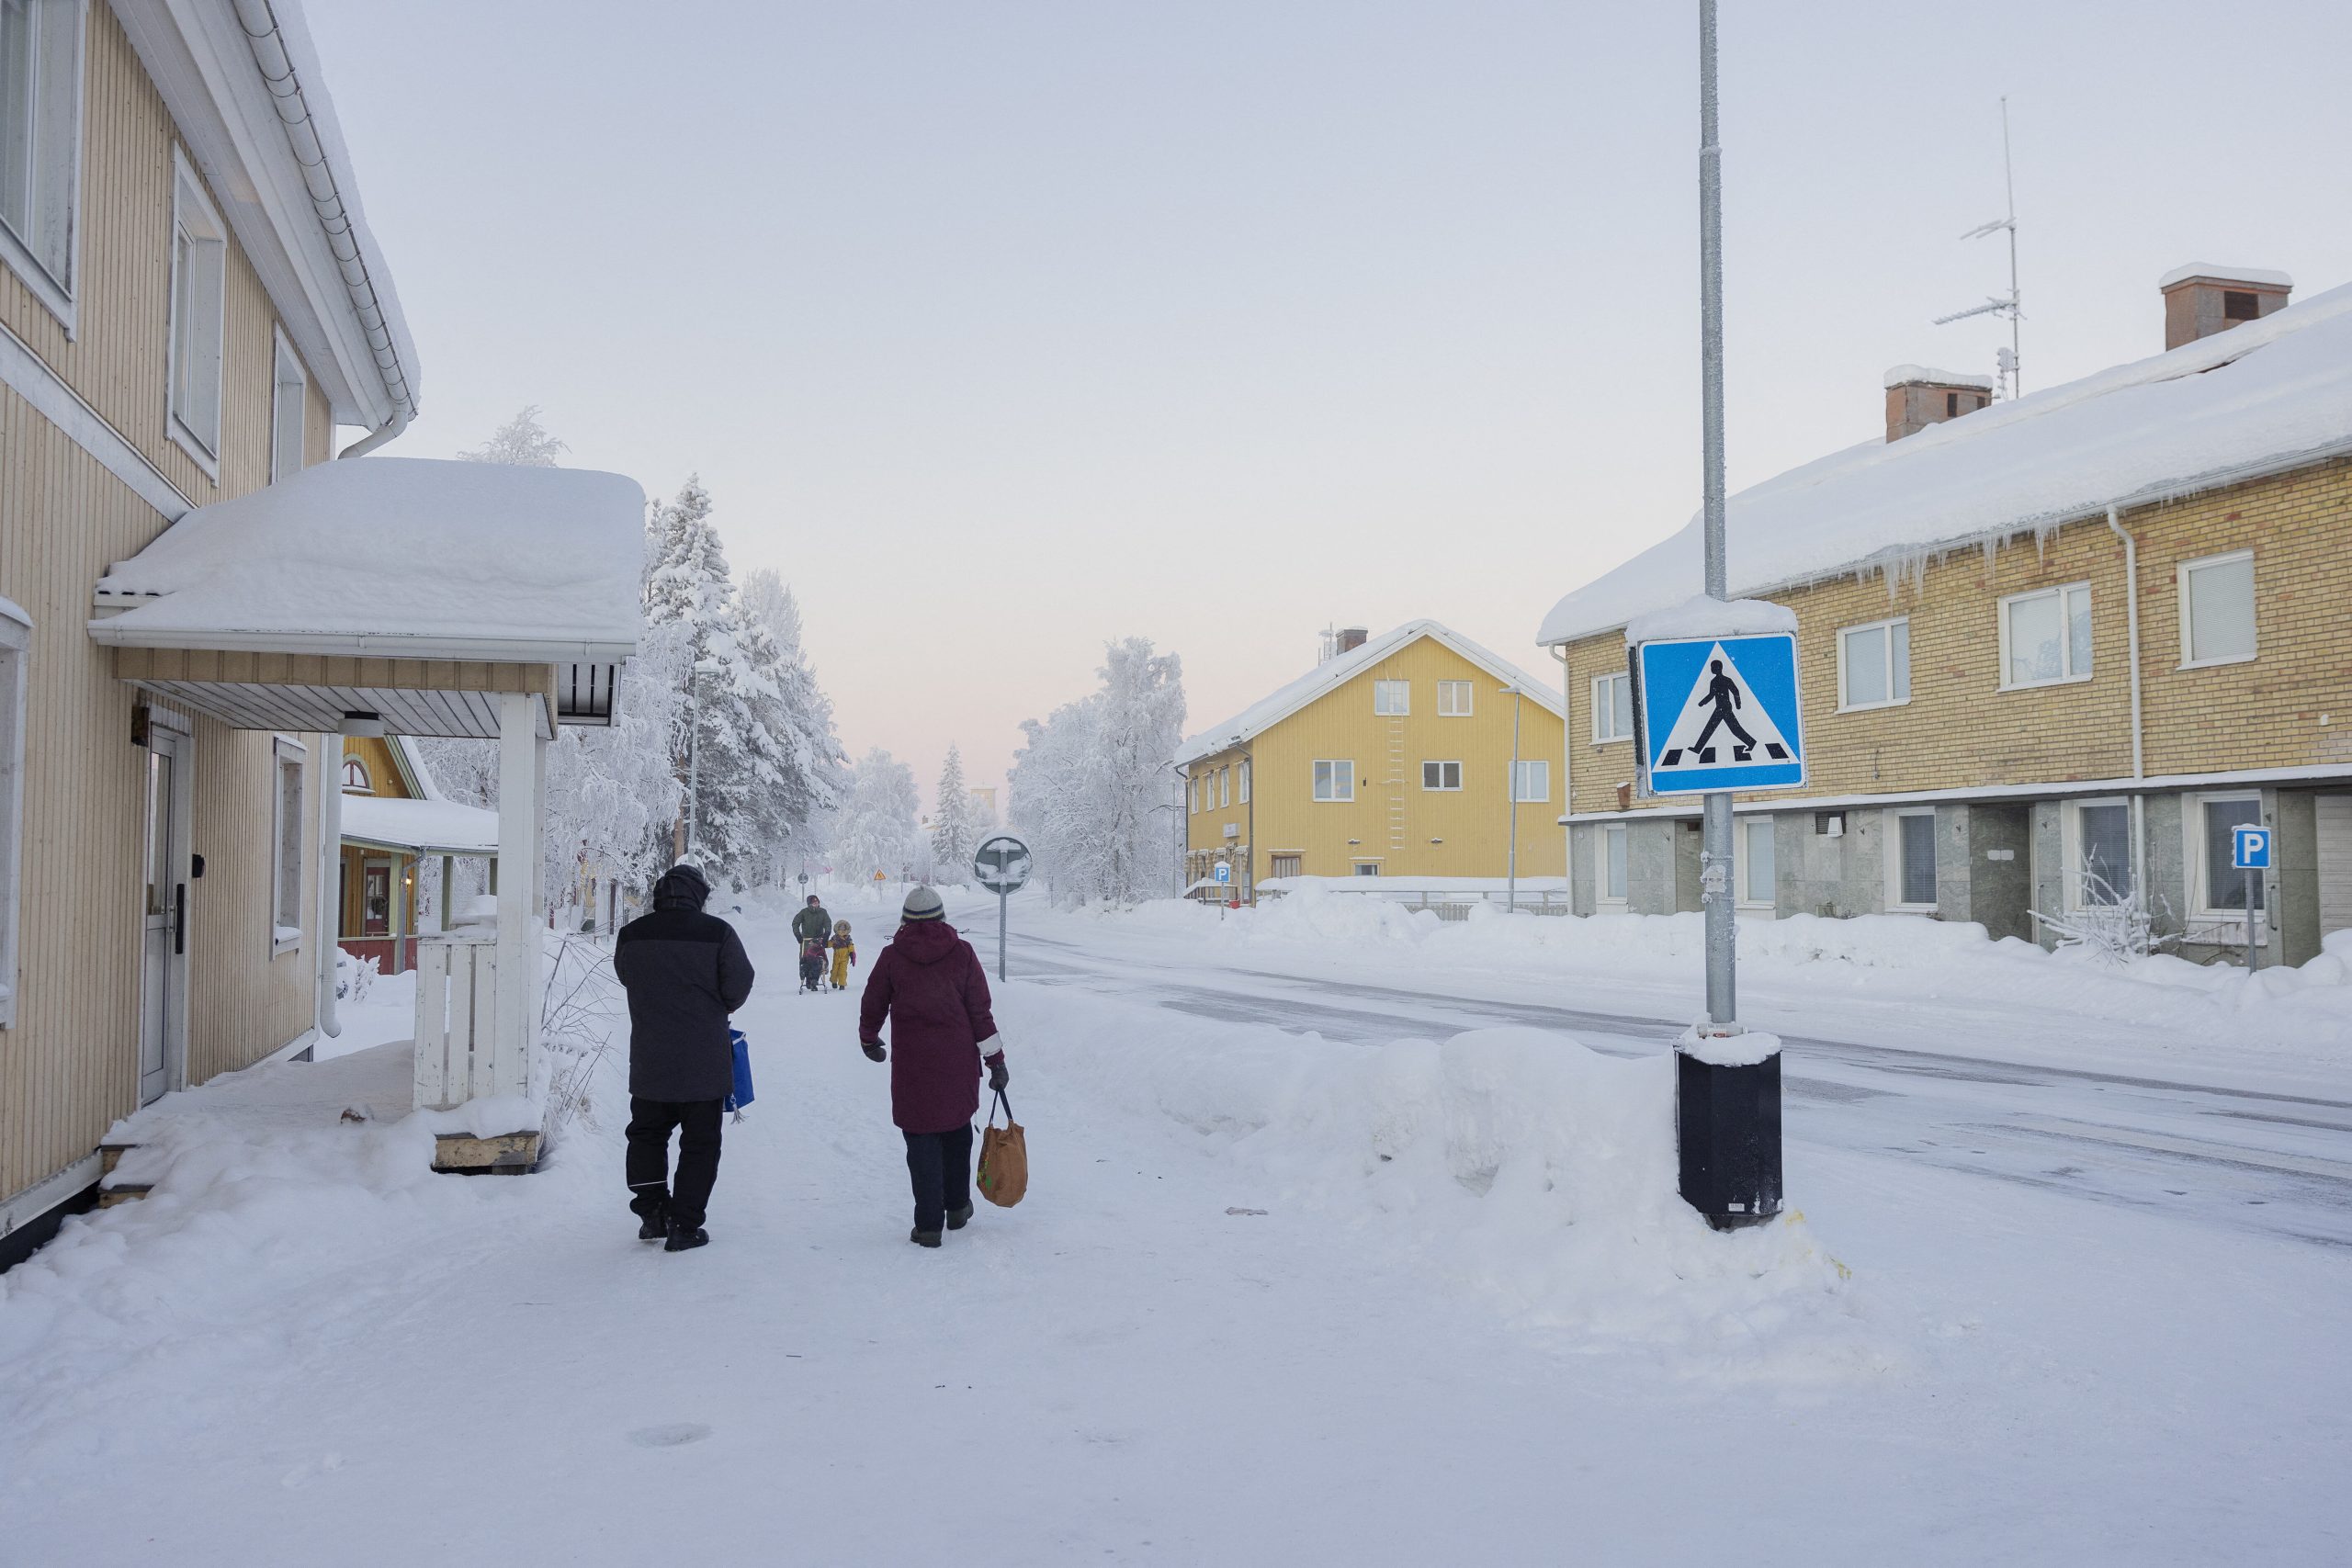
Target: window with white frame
(1612,708)
(356,778)
(2098,844)
(285,881)
(1613,862)
(41,145)
(1441,775)
(1911,859)
(1192,796)
(2217,610)
(2046,636)
(288,398)
(1875,665)
(1752,863)
(16,637)
(1532,783)
(1453,699)
(1367,868)
(2219,889)
(199,306)
(1392,698)
(1335,780)
(1225,786)
(1245,780)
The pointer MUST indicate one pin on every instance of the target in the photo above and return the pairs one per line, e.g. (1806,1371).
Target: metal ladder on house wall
(1395,785)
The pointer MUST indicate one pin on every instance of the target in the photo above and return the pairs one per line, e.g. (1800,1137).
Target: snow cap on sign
(1701,616)
(2265,393)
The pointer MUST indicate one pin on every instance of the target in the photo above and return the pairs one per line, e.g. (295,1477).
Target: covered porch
(389,598)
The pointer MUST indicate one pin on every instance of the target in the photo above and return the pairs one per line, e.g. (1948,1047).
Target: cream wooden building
(190,304)
(2051,650)
(1393,758)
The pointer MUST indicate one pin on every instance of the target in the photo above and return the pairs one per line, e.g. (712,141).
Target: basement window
(1911,864)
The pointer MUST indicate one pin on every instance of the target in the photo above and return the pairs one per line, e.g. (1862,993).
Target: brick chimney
(2201,298)
(1917,397)
(1352,638)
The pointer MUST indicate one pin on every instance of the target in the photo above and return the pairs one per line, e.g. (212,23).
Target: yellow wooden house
(402,841)
(1393,758)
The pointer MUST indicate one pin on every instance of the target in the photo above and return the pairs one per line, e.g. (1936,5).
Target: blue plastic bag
(743,1095)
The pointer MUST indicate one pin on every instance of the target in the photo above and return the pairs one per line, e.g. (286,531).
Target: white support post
(522,811)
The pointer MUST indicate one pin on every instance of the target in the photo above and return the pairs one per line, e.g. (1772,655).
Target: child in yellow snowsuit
(844,954)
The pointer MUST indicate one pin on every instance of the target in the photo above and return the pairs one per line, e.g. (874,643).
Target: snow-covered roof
(2257,275)
(396,557)
(2263,396)
(1333,673)
(1904,374)
(427,827)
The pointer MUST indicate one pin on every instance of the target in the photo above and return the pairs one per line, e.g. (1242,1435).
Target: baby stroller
(812,965)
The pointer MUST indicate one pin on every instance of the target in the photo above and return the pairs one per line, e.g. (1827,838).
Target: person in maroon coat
(929,985)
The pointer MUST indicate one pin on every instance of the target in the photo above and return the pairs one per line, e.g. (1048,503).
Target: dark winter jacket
(812,922)
(930,985)
(685,972)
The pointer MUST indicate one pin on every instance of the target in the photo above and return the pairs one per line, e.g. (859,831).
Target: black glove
(873,1049)
(997,1076)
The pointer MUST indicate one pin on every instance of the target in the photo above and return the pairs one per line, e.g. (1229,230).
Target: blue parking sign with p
(1720,713)
(2249,849)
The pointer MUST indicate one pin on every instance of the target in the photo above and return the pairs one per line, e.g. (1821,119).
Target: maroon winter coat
(929,983)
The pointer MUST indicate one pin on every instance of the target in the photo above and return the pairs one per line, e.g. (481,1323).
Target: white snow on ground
(2037,1005)
(1503,1343)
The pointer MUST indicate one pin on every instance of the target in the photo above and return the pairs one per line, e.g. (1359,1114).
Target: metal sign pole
(1714,870)
(2252,952)
(1003,902)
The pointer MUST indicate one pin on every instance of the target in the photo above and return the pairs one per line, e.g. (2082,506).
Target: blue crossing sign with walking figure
(2249,849)
(1719,713)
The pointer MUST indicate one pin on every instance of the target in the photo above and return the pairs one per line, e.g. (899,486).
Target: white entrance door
(163,1001)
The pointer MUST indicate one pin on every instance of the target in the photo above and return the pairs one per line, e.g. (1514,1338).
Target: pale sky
(1005,328)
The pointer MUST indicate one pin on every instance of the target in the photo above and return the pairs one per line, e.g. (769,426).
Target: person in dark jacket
(928,984)
(812,924)
(685,971)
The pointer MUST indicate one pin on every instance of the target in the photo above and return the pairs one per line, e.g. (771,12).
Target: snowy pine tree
(818,770)
(520,441)
(953,832)
(875,830)
(1091,790)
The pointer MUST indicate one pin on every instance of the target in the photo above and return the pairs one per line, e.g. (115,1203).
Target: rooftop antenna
(2006,359)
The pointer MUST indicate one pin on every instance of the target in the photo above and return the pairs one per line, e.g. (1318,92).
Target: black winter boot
(654,1224)
(686,1238)
(959,1218)
(924,1238)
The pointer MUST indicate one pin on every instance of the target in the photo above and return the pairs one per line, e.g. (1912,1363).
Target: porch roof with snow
(419,827)
(2265,397)
(1333,673)
(415,589)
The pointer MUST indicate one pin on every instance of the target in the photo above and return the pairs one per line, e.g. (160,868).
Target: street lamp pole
(1714,874)
(1511,897)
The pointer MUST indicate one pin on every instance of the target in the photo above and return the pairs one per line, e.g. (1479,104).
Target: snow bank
(1516,1160)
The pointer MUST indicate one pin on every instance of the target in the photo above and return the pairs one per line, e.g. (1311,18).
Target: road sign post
(1001,864)
(2250,853)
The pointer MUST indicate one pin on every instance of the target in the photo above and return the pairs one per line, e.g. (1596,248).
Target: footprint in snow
(675,1435)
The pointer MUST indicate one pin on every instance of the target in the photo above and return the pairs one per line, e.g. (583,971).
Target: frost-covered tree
(1092,793)
(875,830)
(802,716)
(522,441)
(953,832)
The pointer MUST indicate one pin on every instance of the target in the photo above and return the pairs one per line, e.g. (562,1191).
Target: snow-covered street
(1407,1357)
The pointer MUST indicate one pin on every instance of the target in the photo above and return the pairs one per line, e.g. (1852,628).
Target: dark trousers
(940,1164)
(650,1123)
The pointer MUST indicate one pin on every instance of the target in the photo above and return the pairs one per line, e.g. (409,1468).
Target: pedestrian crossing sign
(1719,713)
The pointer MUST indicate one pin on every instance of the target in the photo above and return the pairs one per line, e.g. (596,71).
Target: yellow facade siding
(116,356)
(69,1062)
(1961,730)
(1393,820)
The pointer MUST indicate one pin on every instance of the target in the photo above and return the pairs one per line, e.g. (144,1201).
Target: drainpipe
(2139,746)
(1567,778)
(1252,816)
(330,878)
(374,439)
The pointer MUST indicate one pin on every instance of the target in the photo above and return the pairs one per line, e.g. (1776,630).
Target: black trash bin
(1727,1134)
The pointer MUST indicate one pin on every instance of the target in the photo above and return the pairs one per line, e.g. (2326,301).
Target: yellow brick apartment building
(2052,649)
